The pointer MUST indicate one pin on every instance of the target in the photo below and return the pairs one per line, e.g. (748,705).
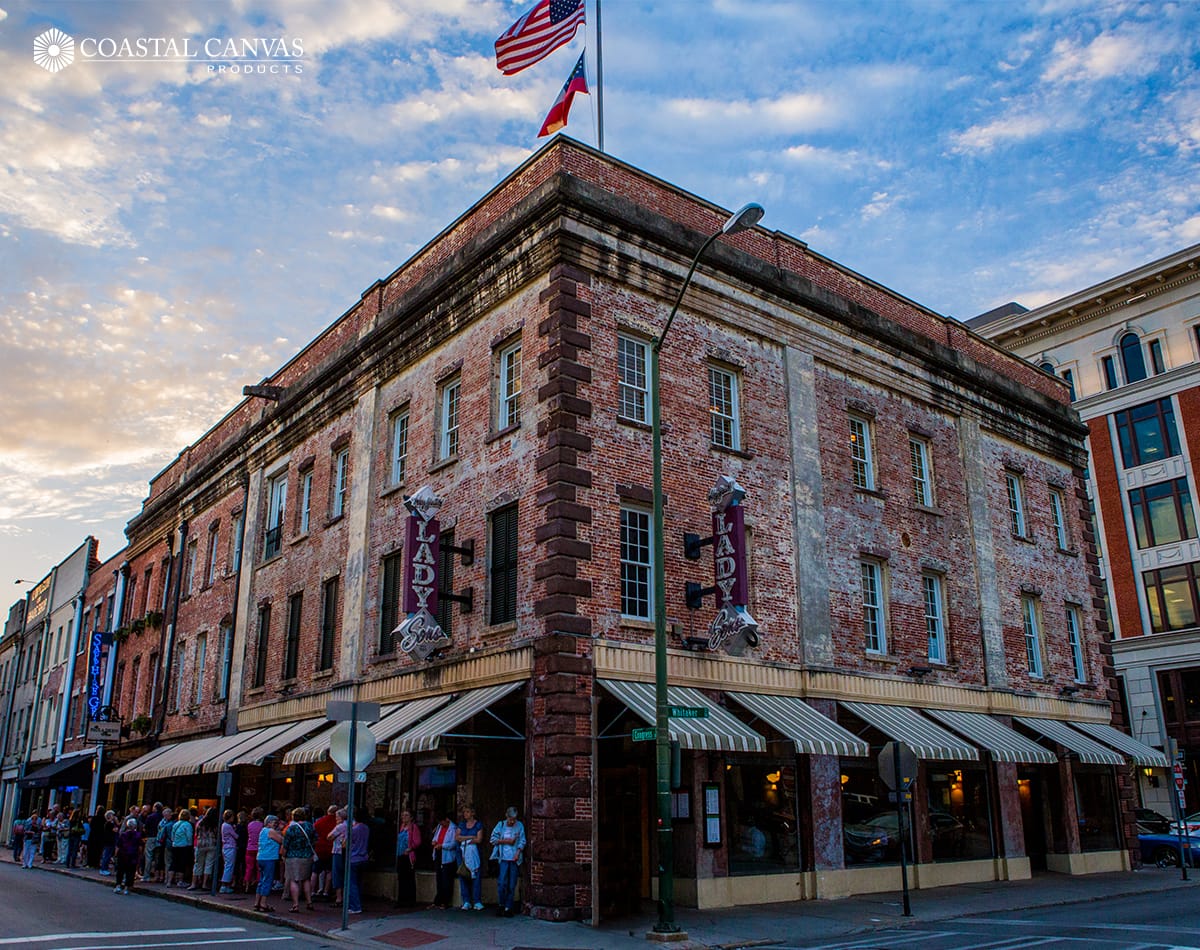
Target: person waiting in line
(183,854)
(62,834)
(445,857)
(253,833)
(470,837)
(243,841)
(337,842)
(108,840)
(408,839)
(128,852)
(228,851)
(164,863)
(151,819)
(322,885)
(269,841)
(508,839)
(32,838)
(75,826)
(357,851)
(298,852)
(207,842)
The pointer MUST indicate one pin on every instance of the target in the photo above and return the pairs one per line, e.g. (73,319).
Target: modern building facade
(1129,348)
(442,505)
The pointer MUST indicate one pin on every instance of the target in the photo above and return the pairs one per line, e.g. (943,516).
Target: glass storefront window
(762,826)
(959,817)
(1095,803)
(868,818)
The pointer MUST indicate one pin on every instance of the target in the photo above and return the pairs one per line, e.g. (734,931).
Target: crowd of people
(254,852)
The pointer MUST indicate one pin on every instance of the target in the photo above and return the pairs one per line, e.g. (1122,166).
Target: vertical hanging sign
(95,679)
(733,629)
(419,634)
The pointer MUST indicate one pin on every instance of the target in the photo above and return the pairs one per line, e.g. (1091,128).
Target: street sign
(647,734)
(339,746)
(345,776)
(688,712)
(224,784)
(99,730)
(342,710)
(907,765)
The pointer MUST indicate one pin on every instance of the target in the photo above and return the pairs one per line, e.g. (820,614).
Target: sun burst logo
(54,50)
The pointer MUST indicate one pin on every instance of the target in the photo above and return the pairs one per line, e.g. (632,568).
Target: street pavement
(1149,908)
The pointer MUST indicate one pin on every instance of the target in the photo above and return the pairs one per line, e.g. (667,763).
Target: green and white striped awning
(926,739)
(1004,744)
(1141,753)
(426,736)
(279,738)
(719,731)
(813,733)
(118,775)
(1088,751)
(395,719)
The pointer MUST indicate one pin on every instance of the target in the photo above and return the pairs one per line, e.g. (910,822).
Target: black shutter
(504,565)
(389,602)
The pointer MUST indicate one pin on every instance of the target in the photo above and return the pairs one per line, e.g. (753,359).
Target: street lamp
(741,220)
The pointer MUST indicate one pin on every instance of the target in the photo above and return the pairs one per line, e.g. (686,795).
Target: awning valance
(1004,744)
(1089,751)
(427,735)
(720,731)
(1141,753)
(813,733)
(926,739)
(74,768)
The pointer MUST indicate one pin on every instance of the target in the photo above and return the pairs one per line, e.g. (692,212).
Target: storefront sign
(733,628)
(39,601)
(419,634)
(95,666)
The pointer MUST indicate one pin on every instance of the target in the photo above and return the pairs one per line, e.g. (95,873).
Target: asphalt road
(1142,922)
(45,911)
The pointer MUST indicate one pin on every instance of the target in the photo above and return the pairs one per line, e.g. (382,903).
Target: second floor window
(329,606)
(1033,635)
(213,539)
(503,600)
(1016,503)
(636,563)
(264,643)
(291,653)
(226,658)
(399,427)
(922,480)
(1075,641)
(1147,433)
(1132,361)
(306,490)
(198,679)
(1173,596)
(189,583)
(724,428)
(1162,513)
(276,508)
(341,483)
(935,616)
(1058,519)
(874,630)
(448,419)
(390,579)
(633,389)
(862,464)
(509,404)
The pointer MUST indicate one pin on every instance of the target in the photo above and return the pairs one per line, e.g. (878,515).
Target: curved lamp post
(741,220)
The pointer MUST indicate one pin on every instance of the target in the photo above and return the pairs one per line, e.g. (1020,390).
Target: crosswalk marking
(180,943)
(102,935)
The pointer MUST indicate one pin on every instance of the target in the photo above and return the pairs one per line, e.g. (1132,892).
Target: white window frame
(276,508)
(399,440)
(213,540)
(934,595)
(637,559)
(341,483)
(1075,639)
(306,489)
(1015,491)
(1058,518)
(874,611)
(448,418)
(633,379)
(193,552)
(198,677)
(1033,635)
(508,405)
(723,410)
(226,656)
(862,462)
(922,473)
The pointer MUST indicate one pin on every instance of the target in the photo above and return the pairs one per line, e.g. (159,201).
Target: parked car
(864,844)
(1193,824)
(1152,821)
(1163,850)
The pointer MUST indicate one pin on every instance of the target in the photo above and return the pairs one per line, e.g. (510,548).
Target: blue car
(1163,850)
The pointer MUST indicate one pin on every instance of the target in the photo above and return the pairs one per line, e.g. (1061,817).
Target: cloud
(1131,51)
(791,112)
(1010,129)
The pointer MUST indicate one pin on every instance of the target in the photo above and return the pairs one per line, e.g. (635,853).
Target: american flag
(545,28)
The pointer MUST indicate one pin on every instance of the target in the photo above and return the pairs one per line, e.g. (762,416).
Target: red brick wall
(1116,538)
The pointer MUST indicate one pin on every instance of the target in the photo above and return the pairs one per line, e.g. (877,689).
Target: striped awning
(1141,753)
(1004,744)
(813,733)
(927,740)
(183,758)
(426,736)
(720,731)
(395,719)
(272,740)
(119,775)
(1057,731)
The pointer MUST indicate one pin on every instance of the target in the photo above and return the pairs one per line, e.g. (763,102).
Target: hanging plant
(154,619)
(138,626)
(121,634)
(140,724)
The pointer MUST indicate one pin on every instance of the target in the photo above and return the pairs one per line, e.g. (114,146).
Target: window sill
(1069,552)
(257,691)
(501,433)
(635,424)
(505,626)
(1024,538)
(334,519)
(882,658)
(268,560)
(871,493)
(931,510)
(383,658)
(726,450)
(323,674)
(443,463)
(635,623)
(392,489)
(303,536)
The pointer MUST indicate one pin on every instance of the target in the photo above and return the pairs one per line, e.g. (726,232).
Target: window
(636,563)
(389,600)
(341,484)
(399,428)
(118,685)
(1157,364)
(448,421)
(329,603)
(503,600)
(935,616)
(1076,643)
(1162,513)
(176,685)
(761,817)
(235,541)
(1033,636)
(862,465)
(1110,372)
(198,678)
(1147,433)
(1173,596)
(633,393)
(445,579)
(136,699)
(154,668)
(509,403)
(291,653)
(918,451)
(1058,519)
(264,642)
(147,580)
(226,661)
(1016,503)
(210,574)
(1133,364)
(276,507)
(306,490)
(874,632)
(190,576)
(1069,379)
(723,408)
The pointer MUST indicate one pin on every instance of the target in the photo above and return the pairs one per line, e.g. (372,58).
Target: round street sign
(339,747)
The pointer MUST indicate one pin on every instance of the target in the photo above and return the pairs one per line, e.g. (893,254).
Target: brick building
(1129,347)
(902,478)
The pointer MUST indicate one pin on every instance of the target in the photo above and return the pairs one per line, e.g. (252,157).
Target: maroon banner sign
(421,542)
(729,557)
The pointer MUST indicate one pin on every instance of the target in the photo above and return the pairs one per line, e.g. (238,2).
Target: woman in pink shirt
(252,832)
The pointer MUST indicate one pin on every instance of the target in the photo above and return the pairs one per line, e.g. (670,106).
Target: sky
(171,230)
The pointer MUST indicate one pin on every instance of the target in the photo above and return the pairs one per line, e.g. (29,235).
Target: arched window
(1047,367)
(1132,360)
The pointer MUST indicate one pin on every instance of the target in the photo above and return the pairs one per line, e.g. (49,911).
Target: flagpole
(599,82)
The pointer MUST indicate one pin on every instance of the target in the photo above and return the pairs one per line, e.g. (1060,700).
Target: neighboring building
(11,734)
(1129,348)
(901,475)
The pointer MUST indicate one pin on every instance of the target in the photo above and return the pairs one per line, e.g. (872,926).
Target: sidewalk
(381,925)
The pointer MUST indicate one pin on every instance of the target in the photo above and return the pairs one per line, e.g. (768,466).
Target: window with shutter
(445,580)
(389,602)
(504,565)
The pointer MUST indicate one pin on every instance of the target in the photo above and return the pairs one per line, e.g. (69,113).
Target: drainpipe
(169,628)
(227,661)
(122,574)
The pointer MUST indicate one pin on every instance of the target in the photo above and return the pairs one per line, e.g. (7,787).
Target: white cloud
(1013,128)
(1130,51)
(790,112)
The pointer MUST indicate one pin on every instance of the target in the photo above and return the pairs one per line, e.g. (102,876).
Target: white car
(1191,821)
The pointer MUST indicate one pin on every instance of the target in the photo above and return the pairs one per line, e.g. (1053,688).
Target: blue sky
(169,233)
